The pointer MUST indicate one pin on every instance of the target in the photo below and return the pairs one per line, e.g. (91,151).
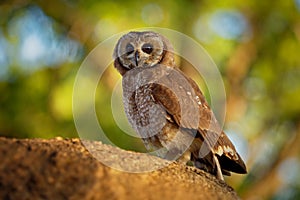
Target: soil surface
(64,169)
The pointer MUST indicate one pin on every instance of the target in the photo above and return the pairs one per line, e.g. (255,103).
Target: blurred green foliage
(255,44)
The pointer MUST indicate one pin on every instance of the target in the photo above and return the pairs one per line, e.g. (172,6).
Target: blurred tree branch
(268,184)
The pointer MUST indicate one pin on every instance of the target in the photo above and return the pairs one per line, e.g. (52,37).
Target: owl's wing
(206,125)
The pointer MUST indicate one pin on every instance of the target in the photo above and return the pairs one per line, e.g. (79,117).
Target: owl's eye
(129,49)
(147,48)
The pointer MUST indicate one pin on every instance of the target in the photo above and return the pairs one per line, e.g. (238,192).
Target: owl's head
(142,49)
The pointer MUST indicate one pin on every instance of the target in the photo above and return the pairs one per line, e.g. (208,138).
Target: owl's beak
(136,58)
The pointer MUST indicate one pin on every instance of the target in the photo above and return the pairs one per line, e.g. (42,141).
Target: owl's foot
(210,164)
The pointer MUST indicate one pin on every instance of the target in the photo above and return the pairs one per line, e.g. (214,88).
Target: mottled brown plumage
(167,109)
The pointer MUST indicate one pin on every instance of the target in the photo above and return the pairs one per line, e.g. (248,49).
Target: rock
(63,169)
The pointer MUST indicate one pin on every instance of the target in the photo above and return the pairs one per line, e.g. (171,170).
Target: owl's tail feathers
(230,165)
(219,165)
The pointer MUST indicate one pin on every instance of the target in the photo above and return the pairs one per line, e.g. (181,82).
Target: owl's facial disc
(141,56)
(140,50)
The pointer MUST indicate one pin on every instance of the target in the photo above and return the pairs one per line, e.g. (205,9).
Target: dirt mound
(63,169)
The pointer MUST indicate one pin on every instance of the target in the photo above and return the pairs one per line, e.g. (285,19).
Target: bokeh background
(255,44)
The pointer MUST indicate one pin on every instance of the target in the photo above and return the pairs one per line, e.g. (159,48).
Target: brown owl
(167,109)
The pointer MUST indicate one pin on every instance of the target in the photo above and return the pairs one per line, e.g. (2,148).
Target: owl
(167,109)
